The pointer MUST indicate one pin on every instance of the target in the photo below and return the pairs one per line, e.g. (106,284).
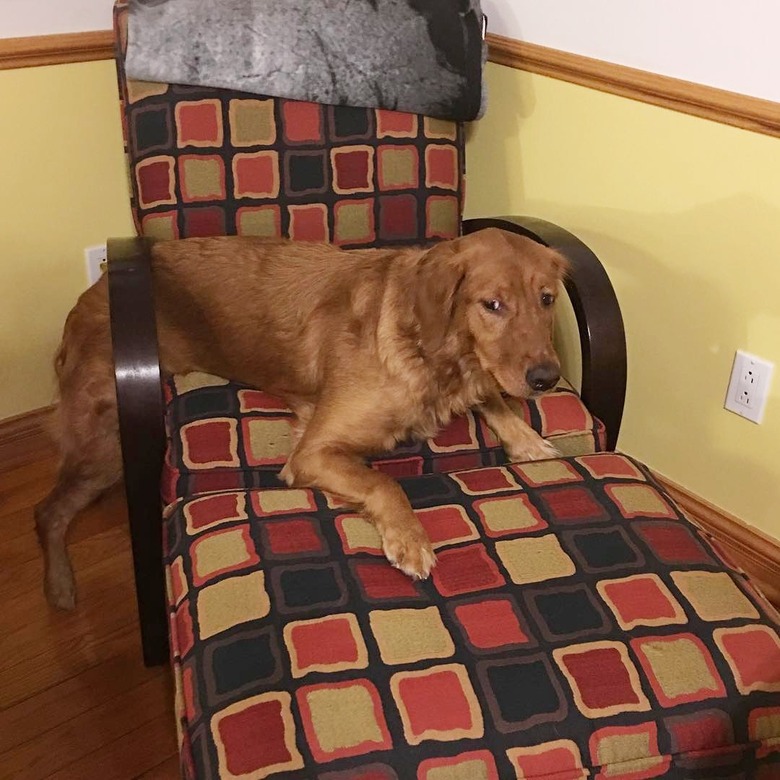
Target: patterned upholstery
(576,626)
(218,162)
(226,436)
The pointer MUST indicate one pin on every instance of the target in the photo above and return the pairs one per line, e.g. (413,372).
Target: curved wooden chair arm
(599,321)
(142,429)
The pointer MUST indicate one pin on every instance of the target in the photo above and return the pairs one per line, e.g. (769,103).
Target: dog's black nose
(543,376)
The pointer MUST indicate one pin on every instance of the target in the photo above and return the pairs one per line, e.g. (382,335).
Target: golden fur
(367,347)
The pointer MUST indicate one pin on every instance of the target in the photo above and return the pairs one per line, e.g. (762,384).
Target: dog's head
(496,289)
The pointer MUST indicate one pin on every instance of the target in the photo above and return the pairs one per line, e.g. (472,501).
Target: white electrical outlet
(749,386)
(95,261)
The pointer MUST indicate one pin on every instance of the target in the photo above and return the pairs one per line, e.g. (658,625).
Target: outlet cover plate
(95,262)
(749,386)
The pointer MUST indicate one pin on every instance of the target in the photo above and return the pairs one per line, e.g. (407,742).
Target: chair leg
(146,533)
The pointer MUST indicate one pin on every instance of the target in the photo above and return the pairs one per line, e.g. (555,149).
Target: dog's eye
(548,299)
(493,304)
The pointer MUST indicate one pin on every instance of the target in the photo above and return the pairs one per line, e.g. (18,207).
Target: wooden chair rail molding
(26,439)
(56,49)
(719,105)
(748,113)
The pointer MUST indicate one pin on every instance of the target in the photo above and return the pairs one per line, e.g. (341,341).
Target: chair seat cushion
(224,435)
(576,625)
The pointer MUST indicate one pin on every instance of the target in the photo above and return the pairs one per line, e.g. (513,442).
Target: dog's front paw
(286,475)
(534,449)
(410,551)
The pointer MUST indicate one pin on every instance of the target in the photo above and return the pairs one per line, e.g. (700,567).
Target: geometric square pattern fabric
(565,644)
(207,162)
(223,435)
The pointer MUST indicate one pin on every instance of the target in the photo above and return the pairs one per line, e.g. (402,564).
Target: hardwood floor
(76,702)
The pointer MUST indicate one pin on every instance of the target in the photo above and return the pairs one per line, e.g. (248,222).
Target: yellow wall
(63,187)
(685,214)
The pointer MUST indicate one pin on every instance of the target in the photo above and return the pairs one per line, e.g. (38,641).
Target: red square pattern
(441,166)
(603,679)
(490,624)
(395,124)
(260,401)
(560,760)
(204,222)
(210,443)
(753,653)
(302,122)
(256,737)
(155,179)
(381,582)
(309,223)
(437,703)
(672,542)
(332,643)
(191,708)
(563,413)
(485,480)
(703,730)
(256,175)
(298,536)
(398,217)
(460,434)
(479,763)
(574,505)
(199,123)
(608,465)
(411,466)
(182,634)
(214,510)
(465,570)
(446,525)
(353,169)
(642,600)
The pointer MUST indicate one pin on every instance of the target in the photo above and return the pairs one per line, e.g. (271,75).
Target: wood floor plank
(132,755)
(75,698)
(94,730)
(75,695)
(167,770)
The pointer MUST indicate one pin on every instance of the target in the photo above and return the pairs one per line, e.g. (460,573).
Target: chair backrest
(217,162)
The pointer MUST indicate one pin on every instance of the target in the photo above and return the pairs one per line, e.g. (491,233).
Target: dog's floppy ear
(440,273)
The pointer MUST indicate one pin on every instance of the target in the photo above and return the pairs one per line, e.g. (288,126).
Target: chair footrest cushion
(576,625)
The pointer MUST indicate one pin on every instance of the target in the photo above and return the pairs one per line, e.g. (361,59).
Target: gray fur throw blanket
(420,56)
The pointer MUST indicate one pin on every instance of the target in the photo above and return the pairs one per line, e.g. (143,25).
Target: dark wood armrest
(600,323)
(141,427)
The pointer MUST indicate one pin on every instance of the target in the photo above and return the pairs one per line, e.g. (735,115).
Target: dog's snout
(543,376)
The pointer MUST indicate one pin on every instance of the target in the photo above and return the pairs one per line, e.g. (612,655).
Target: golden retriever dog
(367,347)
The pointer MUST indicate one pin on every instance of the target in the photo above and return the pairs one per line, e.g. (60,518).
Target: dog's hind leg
(91,463)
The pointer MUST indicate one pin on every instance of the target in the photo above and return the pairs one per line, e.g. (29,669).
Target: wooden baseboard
(56,49)
(719,105)
(25,438)
(757,553)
